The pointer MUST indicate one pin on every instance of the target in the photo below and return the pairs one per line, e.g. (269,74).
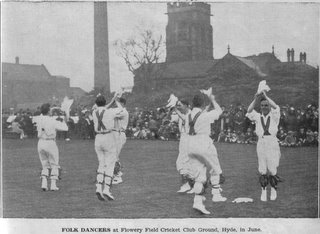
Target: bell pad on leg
(263,179)
(117,168)
(274,180)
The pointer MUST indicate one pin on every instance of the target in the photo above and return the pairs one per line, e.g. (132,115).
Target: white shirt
(122,119)
(274,115)
(107,119)
(183,123)
(203,123)
(47,127)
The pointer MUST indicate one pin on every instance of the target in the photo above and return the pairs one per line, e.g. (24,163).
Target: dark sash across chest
(265,126)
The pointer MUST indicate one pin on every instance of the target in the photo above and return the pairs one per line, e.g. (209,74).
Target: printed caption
(162,230)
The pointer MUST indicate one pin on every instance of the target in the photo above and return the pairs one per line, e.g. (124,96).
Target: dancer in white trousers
(183,161)
(105,146)
(47,128)
(201,148)
(268,149)
(121,124)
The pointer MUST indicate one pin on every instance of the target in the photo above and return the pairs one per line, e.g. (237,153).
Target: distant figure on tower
(301,57)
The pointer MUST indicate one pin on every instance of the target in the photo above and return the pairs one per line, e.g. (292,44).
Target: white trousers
(120,141)
(201,149)
(183,157)
(268,151)
(48,154)
(105,147)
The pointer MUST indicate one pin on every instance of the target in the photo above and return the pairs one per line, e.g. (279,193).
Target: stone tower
(189,32)
(101,48)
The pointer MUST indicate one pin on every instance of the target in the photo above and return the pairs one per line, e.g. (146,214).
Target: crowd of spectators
(298,126)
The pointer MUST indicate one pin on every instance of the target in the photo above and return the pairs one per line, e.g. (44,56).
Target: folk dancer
(47,128)
(183,160)
(201,148)
(105,146)
(120,127)
(268,149)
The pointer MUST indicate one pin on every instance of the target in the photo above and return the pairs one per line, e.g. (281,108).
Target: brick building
(28,86)
(190,64)
(189,32)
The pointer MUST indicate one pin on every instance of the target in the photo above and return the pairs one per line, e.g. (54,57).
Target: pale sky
(60,34)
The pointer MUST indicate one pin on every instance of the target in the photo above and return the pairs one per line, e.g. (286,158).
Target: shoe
(273,194)
(218,198)
(99,192)
(263,194)
(198,204)
(53,186)
(190,191)
(117,180)
(184,188)
(106,192)
(216,195)
(44,184)
(201,208)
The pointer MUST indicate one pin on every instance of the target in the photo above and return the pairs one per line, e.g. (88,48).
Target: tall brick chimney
(101,47)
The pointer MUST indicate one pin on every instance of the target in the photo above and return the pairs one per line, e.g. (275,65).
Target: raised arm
(112,101)
(181,116)
(61,126)
(272,103)
(253,103)
(216,106)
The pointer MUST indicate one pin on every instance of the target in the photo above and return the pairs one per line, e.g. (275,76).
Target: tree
(142,55)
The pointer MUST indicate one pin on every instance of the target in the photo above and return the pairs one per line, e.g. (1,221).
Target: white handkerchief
(66,104)
(84,111)
(263,87)
(242,199)
(94,107)
(207,92)
(11,118)
(172,101)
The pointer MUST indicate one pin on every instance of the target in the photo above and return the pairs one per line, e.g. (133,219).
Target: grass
(151,181)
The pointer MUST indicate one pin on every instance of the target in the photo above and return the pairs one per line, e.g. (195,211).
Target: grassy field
(151,182)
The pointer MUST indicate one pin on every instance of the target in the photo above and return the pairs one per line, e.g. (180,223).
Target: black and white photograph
(160,117)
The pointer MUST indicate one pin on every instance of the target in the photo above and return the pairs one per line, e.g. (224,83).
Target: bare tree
(142,55)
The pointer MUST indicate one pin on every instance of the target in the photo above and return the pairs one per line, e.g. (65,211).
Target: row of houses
(28,86)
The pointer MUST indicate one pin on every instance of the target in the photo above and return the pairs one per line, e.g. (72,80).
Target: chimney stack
(301,57)
(17,60)
(292,55)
